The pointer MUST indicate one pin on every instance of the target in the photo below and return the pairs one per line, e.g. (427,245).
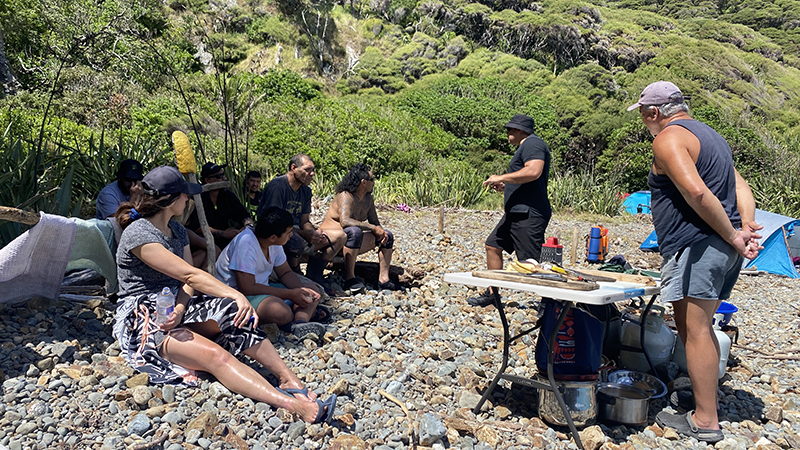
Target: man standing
(704,215)
(252,192)
(226,215)
(292,193)
(527,208)
(352,215)
(128,184)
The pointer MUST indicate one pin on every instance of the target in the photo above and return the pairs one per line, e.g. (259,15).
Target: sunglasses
(370,179)
(217,176)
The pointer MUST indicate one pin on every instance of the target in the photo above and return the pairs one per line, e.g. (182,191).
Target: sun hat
(211,168)
(521,122)
(658,93)
(166,180)
(130,169)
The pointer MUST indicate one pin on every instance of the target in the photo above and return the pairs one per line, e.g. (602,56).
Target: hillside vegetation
(420,90)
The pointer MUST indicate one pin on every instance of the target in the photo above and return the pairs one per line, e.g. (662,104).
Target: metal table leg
(566,306)
(507,339)
(506,344)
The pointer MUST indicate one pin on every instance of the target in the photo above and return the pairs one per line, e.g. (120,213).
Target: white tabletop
(607,293)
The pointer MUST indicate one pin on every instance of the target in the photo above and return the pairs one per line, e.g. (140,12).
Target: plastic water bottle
(165,304)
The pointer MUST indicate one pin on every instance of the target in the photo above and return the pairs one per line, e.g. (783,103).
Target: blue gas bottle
(595,237)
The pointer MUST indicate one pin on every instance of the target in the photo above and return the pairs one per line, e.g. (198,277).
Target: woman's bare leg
(193,351)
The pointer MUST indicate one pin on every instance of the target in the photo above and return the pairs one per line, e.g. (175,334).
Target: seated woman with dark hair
(204,331)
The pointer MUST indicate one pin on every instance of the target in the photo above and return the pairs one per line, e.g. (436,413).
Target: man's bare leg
(693,320)
(494,258)
(384,261)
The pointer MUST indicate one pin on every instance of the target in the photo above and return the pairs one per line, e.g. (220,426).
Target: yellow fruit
(183,153)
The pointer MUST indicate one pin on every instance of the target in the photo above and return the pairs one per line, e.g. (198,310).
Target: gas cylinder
(659,341)
(679,355)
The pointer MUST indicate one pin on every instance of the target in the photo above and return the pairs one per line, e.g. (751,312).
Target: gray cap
(658,93)
(166,180)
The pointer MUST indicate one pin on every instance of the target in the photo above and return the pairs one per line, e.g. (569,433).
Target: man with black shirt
(128,186)
(226,215)
(527,208)
(252,192)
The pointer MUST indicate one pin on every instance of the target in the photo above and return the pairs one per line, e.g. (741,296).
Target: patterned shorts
(140,338)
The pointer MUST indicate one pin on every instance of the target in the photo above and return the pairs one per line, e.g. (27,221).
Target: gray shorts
(705,270)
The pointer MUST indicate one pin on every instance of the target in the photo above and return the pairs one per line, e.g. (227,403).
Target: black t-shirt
(533,195)
(280,193)
(252,203)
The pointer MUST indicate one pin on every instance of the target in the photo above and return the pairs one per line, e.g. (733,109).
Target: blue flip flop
(326,408)
(289,392)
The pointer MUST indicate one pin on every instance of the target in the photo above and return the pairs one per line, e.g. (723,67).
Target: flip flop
(322,315)
(326,408)
(289,392)
(683,424)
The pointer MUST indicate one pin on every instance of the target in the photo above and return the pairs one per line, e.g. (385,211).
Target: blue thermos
(594,245)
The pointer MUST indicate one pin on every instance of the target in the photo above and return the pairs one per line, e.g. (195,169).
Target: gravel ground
(64,385)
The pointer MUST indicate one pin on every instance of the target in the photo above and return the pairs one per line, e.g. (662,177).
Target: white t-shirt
(244,254)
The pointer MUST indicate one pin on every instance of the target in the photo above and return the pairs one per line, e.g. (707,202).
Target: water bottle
(165,304)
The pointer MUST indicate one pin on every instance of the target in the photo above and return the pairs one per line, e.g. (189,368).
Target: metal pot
(579,397)
(622,403)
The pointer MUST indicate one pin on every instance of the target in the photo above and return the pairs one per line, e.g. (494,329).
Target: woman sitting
(203,332)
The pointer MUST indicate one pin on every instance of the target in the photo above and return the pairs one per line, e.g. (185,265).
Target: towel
(94,242)
(33,264)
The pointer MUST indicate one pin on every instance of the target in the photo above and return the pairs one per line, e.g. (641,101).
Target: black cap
(211,168)
(166,180)
(130,169)
(521,122)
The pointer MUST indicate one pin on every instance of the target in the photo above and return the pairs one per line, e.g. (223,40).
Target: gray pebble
(139,424)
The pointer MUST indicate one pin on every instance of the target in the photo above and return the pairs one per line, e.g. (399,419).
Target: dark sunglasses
(217,176)
(370,179)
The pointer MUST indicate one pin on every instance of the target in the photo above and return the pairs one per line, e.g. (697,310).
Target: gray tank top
(677,224)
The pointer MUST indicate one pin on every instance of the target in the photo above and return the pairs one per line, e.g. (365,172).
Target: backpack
(597,244)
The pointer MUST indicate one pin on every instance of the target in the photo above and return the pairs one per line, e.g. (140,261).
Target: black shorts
(520,232)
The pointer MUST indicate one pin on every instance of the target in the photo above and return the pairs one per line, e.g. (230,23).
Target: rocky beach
(407,366)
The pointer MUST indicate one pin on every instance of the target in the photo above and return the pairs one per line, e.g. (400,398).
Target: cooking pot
(579,397)
(622,403)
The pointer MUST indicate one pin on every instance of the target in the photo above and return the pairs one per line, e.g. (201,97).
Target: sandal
(302,329)
(322,315)
(290,392)
(683,424)
(326,408)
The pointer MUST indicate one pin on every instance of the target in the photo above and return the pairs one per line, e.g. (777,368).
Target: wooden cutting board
(522,278)
(639,279)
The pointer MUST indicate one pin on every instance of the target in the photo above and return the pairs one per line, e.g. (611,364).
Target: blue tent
(636,203)
(780,243)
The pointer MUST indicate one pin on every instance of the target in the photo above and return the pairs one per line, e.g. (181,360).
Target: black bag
(579,341)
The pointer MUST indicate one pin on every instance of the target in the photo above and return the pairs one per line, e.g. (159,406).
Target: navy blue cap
(166,180)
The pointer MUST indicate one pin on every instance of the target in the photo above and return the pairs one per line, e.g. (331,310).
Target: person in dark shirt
(226,215)
(527,208)
(252,192)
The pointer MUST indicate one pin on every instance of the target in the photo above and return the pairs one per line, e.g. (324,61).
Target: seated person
(127,185)
(197,245)
(226,215)
(292,193)
(252,192)
(204,332)
(247,263)
(353,214)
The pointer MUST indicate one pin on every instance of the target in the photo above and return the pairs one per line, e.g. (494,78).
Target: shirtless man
(353,214)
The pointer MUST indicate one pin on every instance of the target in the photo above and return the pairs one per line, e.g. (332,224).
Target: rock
(592,437)
(26,427)
(139,424)
(501,412)
(774,414)
(342,387)
(168,393)
(138,380)
(141,395)
(671,434)
(488,435)
(467,399)
(218,391)
(295,430)
(348,442)
(205,423)
(431,429)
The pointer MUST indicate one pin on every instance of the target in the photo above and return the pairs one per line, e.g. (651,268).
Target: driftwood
(158,439)
(18,215)
(784,354)
(405,410)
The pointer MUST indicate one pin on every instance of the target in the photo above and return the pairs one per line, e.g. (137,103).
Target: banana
(516,266)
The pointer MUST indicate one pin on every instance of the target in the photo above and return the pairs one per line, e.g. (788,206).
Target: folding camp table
(607,293)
